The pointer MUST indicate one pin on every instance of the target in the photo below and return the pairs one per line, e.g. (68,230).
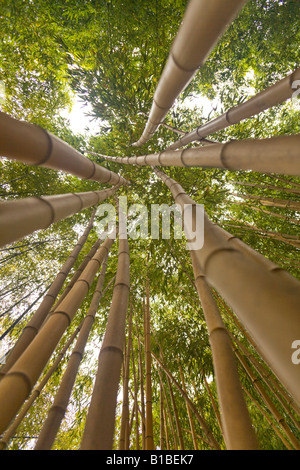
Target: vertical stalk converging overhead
(100,423)
(265,298)
(203,25)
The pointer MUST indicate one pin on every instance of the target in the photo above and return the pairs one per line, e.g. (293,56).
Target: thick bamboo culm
(42,311)
(34,145)
(100,423)
(211,439)
(203,25)
(265,298)
(11,430)
(271,96)
(58,409)
(21,377)
(22,217)
(236,424)
(280,154)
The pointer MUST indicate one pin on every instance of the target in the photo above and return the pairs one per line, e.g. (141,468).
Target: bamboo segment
(279,154)
(59,407)
(9,433)
(265,298)
(237,426)
(19,380)
(279,418)
(39,316)
(203,25)
(177,421)
(99,429)
(19,218)
(212,441)
(124,436)
(273,426)
(192,426)
(33,145)
(270,201)
(149,444)
(271,96)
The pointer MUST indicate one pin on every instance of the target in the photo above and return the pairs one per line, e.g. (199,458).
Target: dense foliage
(111,55)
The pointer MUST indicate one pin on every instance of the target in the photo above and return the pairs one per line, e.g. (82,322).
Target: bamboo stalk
(208,433)
(213,402)
(143,414)
(202,26)
(149,443)
(124,436)
(162,418)
(58,409)
(177,422)
(263,375)
(237,271)
(136,407)
(279,418)
(36,321)
(192,426)
(267,186)
(279,154)
(269,201)
(99,428)
(263,370)
(273,426)
(20,379)
(19,218)
(271,96)
(9,433)
(236,423)
(33,145)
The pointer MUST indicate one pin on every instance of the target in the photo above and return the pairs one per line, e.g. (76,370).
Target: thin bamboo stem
(124,435)
(200,419)
(236,271)
(279,418)
(192,426)
(271,96)
(149,443)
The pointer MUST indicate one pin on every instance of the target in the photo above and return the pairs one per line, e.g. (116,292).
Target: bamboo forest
(150,211)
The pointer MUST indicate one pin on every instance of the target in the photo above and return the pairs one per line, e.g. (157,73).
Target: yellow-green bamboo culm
(11,430)
(100,423)
(279,154)
(251,283)
(34,145)
(32,327)
(21,377)
(22,217)
(203,25)
(58,409)
(236,423)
